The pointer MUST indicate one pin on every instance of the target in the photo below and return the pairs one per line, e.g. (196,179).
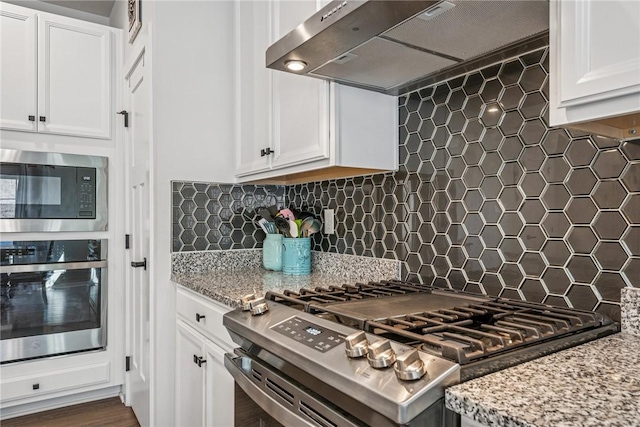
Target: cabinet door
(190,390)
(253,130)
(219,389)
(18,84)
(598,50)
(300,105)
(74,77)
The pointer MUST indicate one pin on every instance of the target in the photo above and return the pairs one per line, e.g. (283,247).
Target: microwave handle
(30,268)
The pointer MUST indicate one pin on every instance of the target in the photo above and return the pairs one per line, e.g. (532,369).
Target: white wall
(193,104)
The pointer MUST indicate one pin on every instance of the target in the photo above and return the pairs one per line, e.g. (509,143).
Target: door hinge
(127,241)
(126,117)
(127,363)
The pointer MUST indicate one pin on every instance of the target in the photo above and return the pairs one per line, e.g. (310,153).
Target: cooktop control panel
(311,335)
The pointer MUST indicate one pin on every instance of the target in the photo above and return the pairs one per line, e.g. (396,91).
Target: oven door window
(50,302)
(38,191)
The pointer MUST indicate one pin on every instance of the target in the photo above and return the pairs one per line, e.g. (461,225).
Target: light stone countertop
(228,286)
(594,384)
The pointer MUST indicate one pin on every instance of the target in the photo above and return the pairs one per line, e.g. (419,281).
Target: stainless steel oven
(52,192)
(53,297)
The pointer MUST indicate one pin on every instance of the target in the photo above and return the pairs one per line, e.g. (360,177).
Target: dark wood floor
(108,412)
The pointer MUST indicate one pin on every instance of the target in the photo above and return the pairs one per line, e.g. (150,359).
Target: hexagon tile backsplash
(488,198)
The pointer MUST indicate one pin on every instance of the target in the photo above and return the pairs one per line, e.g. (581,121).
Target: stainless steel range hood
(397,46)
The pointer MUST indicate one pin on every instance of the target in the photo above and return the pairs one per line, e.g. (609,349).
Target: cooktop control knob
(258,306)
(381,355)
(245,300)
(409,365)
(356,344)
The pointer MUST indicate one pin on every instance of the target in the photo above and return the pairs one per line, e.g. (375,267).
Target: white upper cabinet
(595,66)
(294,129)
(56,74)
(18,82)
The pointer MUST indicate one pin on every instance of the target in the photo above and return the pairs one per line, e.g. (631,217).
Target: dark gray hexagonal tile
(490,90)
(456,234)
(533,290)
(511,224)
(556,301)
(456,256)
(511,173)
(511,123)
(473,200)
(555,142)
(632,271)
(581,152)
(510,148)
(440,158)
(631,177)
(532,237)
(472,154)
(426,130)
(609,286)
(532,211)
(511,249)
(473,223)
(426,253)
(457,279)
(491,211)
(491,187)
(510,72)
(532,264)
(456,189)
(532,78)
(511,275)
(491,114)
(631,208)
(513,294)
(532,158)
(456,122)
(555,196)
(631,240)
(491,260)
(472,177)
(581,210)
(555,224)
(188,191)
(582,239)
(511,198)
(491,236)
(456,145)
(472,107)
(609,194)
(555,169)
(610,255)
(532,184)
(533,105)
(474,288)
(456,167)
(556,252)
(473,269)
(581,181)
(441,266)
(582,297)
(556,280)
(609,164)
(440,200)
(441,244)
(456,212)
(511,97)
(491,163)
(582,268)
(491,284)
(456,99)
(533,58)
(533,132)
(610,225)
(605,142)
(631,149)
(491,139)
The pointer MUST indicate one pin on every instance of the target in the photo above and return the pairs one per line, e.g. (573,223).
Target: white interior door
(139,224)
(18,82)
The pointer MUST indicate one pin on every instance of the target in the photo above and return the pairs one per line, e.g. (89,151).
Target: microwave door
(12,191)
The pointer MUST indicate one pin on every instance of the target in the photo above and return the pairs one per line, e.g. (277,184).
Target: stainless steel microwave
(52,192)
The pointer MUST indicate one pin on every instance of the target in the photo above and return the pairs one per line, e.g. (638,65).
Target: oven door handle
(313,413)
(30,268)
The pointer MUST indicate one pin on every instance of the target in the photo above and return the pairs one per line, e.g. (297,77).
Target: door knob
(139,264)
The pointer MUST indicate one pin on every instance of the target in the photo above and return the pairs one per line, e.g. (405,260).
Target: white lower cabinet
(204,388)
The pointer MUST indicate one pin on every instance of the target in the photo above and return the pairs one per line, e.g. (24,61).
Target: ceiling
(97,7)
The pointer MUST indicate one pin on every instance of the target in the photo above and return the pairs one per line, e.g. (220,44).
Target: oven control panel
(313,336)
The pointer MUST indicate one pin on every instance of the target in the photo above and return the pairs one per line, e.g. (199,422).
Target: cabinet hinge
(126,117)
(127,241)
(127,363)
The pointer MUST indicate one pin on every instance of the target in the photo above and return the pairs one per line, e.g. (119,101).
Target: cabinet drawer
(58,380)
(203,315)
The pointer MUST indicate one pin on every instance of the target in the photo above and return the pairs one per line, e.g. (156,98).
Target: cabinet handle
(32,118)
(139,264)
(266,152)
(199,360)
(36,386)
(199,316)
(43,119)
